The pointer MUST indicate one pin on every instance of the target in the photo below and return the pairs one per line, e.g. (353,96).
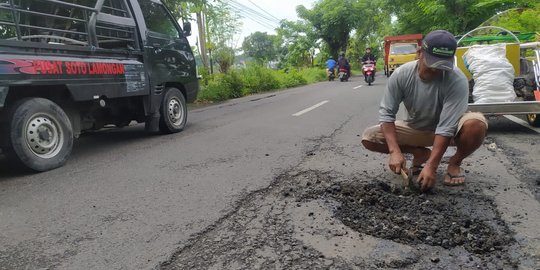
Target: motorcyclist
(331,64)
(344,62)
(368,56)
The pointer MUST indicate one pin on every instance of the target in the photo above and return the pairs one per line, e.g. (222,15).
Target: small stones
(435,259)
(328,262)
(492,147)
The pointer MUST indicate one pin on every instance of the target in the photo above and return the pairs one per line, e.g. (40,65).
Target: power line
(253,15)
(254,12)
(266,17)
(263,10)
(254,19)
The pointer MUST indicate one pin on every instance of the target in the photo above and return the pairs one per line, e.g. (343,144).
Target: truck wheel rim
(176,112)
(532,117)
(43,136)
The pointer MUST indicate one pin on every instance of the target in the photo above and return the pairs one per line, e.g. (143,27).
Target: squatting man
(435,95)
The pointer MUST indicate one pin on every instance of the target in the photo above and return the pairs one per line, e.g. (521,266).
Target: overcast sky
(280,9)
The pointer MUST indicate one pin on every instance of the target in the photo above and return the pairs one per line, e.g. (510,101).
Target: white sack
(492,73)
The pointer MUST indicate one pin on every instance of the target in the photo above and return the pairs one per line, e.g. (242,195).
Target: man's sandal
(448,180)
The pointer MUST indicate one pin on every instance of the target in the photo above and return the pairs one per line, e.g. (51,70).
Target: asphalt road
(126,200)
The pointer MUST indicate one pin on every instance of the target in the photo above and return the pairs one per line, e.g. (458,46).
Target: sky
(281,9)
(273,9)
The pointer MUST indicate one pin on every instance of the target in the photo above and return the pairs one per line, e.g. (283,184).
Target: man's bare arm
(397,160)
(389,132)
(428,174)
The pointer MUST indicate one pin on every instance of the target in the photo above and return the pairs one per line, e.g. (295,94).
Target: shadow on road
(502,125)
(90,143)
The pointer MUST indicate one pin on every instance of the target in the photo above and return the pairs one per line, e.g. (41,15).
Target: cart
(526,71)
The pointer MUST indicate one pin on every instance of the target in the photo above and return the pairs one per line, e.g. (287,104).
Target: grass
(254,79)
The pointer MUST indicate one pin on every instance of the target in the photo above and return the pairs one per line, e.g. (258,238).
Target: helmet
(342,54)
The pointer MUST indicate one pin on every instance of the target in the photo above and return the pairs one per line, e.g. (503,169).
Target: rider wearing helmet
(369,56)
(343,62)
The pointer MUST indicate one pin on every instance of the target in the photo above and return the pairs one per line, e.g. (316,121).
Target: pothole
(323,220)
(455,218)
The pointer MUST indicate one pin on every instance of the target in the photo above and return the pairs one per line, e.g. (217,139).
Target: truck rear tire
(173,112)
(39,134)
(533,119)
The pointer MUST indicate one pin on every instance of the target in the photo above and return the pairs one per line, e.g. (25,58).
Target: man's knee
(375,147)
(369,145)
(473,131)
(474,127)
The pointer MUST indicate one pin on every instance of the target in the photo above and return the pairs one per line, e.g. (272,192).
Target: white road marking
(310,108)
(521,122)
(358,86)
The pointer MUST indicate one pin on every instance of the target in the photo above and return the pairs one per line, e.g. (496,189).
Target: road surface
(257,178)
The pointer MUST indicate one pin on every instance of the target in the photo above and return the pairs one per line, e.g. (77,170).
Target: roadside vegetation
(296,54)
(254,79)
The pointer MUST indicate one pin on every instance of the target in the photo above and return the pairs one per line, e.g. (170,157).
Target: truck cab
(70,66)
(399,50)
(400,53)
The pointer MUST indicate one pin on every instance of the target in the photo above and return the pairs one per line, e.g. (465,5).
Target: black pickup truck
(67,66)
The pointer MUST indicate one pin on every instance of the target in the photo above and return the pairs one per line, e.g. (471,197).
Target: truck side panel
(85,78)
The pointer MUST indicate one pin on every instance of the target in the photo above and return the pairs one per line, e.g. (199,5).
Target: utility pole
(202,38)
(209,45)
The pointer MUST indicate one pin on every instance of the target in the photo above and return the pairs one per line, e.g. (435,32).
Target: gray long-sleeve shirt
(435,106)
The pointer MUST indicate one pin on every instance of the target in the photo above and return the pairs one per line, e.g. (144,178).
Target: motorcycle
(343,74)
(331,74)
(369,71)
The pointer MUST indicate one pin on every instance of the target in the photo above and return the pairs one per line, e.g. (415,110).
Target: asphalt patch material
(314,220)
(448,220)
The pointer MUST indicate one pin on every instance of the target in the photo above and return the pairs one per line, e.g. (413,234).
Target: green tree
(217,20)
(373,27)
(224,57)
(456,16)
(520,19)
(333,21)
(183,9)
(223,25)
(297,43)
(260,46)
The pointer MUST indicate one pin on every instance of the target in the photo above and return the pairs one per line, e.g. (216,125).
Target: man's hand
(397,162)
(426,179)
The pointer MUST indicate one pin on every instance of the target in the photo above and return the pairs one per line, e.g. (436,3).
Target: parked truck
(68,66)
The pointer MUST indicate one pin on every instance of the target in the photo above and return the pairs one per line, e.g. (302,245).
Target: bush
(313,75)
(222,87)
(258,79)
(290,79)
(254,79)
(234,81)
(215,90)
